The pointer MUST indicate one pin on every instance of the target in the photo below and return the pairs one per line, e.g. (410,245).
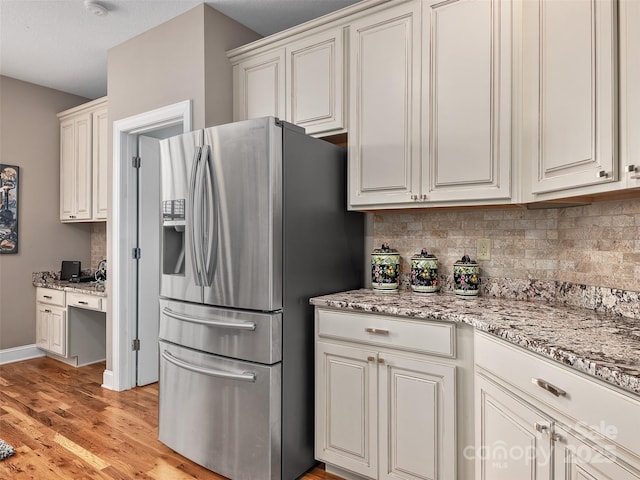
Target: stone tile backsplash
(596,245)
(98,243)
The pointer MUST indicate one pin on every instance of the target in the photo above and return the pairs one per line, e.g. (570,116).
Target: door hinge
(135,253)
(135,344)
(135,162)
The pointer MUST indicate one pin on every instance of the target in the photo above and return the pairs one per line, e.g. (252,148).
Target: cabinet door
(58,331)
(630,90)
(511,437)
(346,408)
(43,313)
(576,459)
(76,168)
(466,99)
(417,413)
(315,82)
(569,93)
(100,163)
(67,170)
(83,167)
(384,81)
(260,86)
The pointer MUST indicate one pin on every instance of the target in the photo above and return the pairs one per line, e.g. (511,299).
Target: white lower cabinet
(51,328)
(383,412)
(71,325)
(538,420)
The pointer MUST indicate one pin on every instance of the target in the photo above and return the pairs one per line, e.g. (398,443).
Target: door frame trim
(121,282)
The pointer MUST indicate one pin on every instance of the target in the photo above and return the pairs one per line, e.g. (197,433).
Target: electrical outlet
(483,249)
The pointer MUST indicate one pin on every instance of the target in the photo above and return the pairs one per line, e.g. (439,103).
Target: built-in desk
(71,321)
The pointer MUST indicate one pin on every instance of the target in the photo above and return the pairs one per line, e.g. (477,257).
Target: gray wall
(30,138)
(182,59)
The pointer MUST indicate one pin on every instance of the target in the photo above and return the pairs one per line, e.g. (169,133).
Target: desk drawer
(90,302)
(578,399)
(50,296)
(424,336)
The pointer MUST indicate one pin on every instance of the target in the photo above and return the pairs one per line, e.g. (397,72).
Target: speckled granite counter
(600,344)
(52,280)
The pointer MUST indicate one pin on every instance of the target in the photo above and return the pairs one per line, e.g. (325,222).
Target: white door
(512,439)
(384,135)
(576,459)
(148,264)
(417,414)
(346,408)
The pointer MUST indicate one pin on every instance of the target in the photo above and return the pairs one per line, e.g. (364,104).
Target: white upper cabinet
(300,80)
(569,94)
(315,82)
(100,163)
(630,91)
(259,83)
(84,134)
(466,100)
(384,109)
(430,105)
(75,168)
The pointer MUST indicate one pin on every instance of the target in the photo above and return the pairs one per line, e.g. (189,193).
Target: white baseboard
(17,354)
(107,379)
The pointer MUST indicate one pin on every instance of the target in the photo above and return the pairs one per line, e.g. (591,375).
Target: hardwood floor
(64,425)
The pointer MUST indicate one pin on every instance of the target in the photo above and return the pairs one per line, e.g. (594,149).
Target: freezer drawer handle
(558,392)
(209,323)
(244,376)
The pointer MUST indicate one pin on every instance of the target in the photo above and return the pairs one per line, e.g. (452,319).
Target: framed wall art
(8,208)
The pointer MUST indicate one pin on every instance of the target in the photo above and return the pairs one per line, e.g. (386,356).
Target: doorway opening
(135,224)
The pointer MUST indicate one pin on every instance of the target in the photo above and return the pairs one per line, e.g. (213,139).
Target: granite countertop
(599,344)
(51,280)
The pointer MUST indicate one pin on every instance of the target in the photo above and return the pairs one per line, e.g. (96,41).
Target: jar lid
(466,260)
(423,254)
(385,249)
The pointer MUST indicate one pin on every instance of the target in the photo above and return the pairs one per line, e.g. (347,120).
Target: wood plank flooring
(64,425)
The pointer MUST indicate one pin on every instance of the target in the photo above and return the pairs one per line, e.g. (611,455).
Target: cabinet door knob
(558,392)
(602,174)
(381,360)
(540,427)
(414,197)
(631,168)
(371,359)
(377,331)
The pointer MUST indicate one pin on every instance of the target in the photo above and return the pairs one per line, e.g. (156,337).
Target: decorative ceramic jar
(424,273)
(466,277)
(385,268)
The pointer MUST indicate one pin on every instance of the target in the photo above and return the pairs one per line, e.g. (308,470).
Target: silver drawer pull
(558,392)
(208,322)
(242,376)
(48,296)
(82,302)
(377,331)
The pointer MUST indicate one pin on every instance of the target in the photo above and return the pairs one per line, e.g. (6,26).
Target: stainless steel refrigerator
(255,222)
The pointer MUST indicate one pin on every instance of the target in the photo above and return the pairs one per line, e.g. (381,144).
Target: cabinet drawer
(586,402)
(50,296)
(90,302)
(423,336)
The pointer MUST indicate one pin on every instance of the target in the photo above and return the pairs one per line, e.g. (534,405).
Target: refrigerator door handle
(192,216)
(243,376)
(210,323)
(210,221)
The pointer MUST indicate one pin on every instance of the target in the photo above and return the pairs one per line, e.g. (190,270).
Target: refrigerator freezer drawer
(223,414)
(252,336)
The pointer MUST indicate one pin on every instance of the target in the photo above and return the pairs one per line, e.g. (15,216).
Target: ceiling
(61,45)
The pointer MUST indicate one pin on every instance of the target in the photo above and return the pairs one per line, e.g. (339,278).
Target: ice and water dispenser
(173,241)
